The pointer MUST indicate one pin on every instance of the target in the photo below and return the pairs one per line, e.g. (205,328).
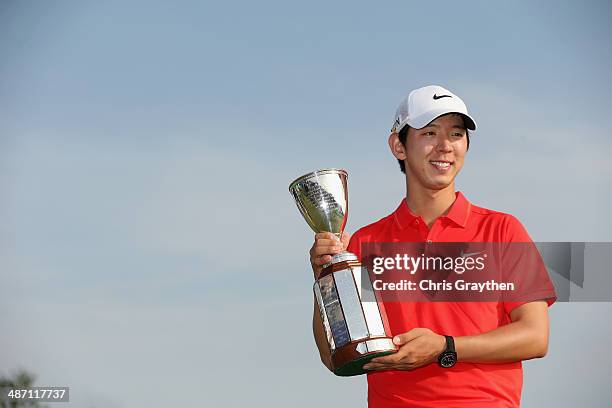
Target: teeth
(440,164)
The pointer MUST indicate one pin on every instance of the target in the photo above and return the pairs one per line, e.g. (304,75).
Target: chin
(439,184)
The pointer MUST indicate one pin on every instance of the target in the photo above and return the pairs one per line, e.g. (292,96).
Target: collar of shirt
(458,213)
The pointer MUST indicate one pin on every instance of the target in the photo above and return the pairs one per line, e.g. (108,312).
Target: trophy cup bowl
(356,329)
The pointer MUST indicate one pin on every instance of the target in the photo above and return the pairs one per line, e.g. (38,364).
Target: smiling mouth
(440,165)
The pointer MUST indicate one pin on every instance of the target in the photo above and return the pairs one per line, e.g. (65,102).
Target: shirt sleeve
(523,266)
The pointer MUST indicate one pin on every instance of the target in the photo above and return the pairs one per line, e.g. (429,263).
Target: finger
(393,358)
(326,242)
(345,238)
(325,250)
(326,235)
(385,367)
(318,250)
(404,338)
(379,367)
(390,359)
(322,260)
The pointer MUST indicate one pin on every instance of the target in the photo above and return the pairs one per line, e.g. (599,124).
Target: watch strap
(450,343)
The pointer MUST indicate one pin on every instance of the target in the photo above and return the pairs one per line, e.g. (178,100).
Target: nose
(444,145)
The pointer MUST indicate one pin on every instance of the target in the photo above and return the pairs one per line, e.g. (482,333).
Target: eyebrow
(454,127)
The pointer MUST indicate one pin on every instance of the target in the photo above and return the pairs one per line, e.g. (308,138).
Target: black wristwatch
(448,357)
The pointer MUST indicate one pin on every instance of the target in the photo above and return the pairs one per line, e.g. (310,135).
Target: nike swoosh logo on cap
(441,96)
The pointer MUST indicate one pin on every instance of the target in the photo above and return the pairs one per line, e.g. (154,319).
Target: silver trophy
(356,329)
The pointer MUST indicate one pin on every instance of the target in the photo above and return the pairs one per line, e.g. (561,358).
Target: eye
(430,133)
(457,134)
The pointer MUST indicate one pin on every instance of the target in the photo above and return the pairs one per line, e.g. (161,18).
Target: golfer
(450,354)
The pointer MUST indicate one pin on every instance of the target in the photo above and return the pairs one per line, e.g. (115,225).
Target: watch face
(448,360)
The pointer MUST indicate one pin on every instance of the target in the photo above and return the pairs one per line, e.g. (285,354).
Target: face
(434,154)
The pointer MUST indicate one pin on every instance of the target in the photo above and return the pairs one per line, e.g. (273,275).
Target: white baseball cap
(426,104)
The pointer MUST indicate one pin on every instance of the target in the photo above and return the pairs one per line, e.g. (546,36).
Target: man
(430,140)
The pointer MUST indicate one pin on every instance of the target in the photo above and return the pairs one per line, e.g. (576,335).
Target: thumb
(404,338)
(345,238)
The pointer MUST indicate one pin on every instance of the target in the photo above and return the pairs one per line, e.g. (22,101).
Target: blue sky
(145,154)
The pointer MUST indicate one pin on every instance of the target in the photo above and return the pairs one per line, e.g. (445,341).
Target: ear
(397,148)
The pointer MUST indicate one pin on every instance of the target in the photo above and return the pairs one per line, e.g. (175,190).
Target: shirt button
(416,222)
(429,241)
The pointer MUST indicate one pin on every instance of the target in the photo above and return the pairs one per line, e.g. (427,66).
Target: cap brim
(421,121)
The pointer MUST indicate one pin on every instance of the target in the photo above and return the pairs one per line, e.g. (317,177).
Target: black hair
(403,135)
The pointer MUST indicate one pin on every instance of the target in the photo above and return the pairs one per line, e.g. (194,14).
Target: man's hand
(325,246)
(418,347)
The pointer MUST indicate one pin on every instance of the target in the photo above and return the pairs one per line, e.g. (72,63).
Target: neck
(430,204)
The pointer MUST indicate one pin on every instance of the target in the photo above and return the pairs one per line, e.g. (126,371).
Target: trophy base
(349,360)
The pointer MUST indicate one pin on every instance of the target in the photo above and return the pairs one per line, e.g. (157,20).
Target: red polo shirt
(465,384)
